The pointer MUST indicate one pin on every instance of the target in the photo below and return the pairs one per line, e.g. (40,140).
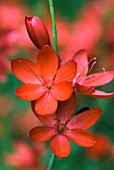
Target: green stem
(54,30)
(55,47)
(51,163)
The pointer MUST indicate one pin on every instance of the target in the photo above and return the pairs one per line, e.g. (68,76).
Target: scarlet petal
(82,61)
(30,91)
(80,137)
(66,108)
(49,120)
(61,90)
(42,133)
(87,90)
(99,79)
(47,63)
(60,146)
(37,31)
(101,94)
(66,72)
(25,70)
(85,119)
(46,104)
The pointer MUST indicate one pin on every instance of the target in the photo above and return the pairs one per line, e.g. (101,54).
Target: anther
(104,69)
(92,66)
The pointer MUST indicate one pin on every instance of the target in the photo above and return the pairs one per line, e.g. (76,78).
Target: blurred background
(80,25)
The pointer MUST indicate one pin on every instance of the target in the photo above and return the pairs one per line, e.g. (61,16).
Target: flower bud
(37,31)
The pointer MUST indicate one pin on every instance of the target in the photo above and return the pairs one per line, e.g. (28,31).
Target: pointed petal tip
(101,94)
(25,70)
(30,91)
(28,18)
(85,119)
(37,31)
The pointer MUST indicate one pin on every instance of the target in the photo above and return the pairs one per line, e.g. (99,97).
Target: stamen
(67,122)
(57,119)
(38,75)
(88,78)
(92,66)
(104,69)
(92,60)
(82,76)
(68,129)
(93,80)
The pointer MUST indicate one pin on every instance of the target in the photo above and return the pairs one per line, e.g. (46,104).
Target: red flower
(23,155)
(37,31)
(60,128)
(43,82)
(87,84)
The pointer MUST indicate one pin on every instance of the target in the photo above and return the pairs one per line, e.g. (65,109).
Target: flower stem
(51,163)
(54,30)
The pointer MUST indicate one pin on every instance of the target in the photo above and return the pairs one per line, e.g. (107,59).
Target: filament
(82,76)
(88,78)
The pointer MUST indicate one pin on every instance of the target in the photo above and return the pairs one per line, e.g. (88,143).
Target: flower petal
(99,79)
(25,70)
(46,104)
(42,133)
(80,137)
(66,72)
(101,94)
(60,146)
(49,120)
(85,119)
(30,91)
(82,61)
(66,108)
(47,63)
(61,90)
(87,90)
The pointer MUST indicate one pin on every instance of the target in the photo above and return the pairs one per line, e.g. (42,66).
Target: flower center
(48,87)
(61,127)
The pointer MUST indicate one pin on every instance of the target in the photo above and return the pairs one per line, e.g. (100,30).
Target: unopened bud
(37,31)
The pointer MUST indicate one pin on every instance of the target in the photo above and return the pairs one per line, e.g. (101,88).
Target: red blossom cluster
(51,84)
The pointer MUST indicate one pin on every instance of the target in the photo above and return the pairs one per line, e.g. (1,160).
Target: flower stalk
(55,47)
(54,30)
(51,163)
